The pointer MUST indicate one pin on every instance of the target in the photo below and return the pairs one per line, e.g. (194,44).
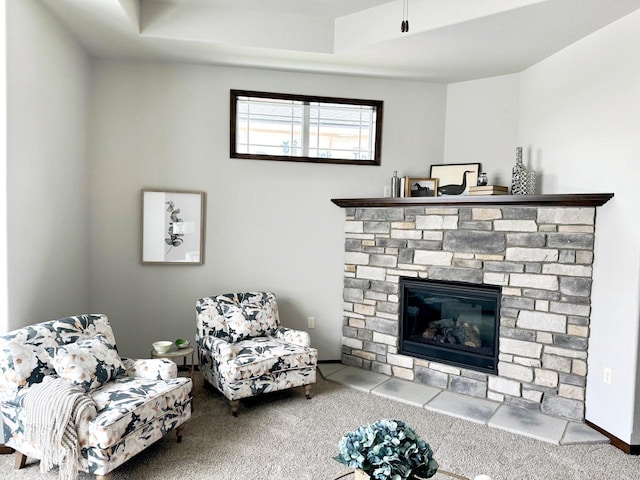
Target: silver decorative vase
(523,181)
(532,182)
(395,185)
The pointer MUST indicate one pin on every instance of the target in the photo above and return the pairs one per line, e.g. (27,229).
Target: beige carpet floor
(283,436)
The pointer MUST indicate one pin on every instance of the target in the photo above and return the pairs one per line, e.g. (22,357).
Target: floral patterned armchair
(137,402)
(243,350)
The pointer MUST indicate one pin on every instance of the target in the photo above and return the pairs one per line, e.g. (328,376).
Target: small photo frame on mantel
(172,227)
(452,179)
(421,187)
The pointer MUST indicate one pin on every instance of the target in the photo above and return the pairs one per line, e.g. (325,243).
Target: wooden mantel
(553,200)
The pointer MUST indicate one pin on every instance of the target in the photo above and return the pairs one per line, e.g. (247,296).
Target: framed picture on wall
(421,187)
(455,178)
(172,227)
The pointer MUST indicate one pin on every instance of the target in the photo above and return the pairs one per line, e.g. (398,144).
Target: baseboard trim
(615,441)
(329,361)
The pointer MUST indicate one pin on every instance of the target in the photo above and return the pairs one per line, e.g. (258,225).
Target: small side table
(174,353)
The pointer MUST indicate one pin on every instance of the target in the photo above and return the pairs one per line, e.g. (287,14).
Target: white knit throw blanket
(52,411)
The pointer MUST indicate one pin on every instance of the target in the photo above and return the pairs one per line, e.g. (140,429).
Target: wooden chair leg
(106,476)
(307,391)
(20,460)
(179,432)
(234,407)
(6,450)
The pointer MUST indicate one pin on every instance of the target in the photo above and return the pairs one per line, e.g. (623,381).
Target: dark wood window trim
(377,104)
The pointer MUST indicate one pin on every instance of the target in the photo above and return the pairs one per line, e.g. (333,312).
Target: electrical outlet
(311,322)
(607,375)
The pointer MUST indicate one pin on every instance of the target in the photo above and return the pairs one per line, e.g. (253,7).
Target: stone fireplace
(540,255)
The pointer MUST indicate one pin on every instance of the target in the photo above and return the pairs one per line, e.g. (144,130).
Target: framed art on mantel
(452,179)
(172,227)
(421,187)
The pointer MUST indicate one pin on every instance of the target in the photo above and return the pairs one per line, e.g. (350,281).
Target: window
(301,128)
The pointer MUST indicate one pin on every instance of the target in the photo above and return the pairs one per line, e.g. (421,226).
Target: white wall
(579,114)
(269,225)
(48,209)
(4,292)
(482,125)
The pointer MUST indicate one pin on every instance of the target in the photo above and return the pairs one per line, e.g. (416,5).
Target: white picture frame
(451,174)
(172,227)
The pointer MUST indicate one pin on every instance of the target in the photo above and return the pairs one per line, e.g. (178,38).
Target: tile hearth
(516,420)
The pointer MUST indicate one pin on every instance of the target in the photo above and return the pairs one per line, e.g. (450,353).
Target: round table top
(173,352)
(440,475)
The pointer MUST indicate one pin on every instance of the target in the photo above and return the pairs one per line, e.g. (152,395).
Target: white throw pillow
(87,363)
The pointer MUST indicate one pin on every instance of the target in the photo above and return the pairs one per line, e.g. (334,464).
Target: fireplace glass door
(450,322)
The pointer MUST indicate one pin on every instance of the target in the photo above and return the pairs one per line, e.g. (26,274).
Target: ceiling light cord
(404,26)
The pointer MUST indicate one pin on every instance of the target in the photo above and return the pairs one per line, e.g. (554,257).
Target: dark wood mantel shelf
(553,200)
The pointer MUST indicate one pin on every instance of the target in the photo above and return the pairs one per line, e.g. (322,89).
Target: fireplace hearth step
(477,410)
(577,433)
(539,426)
(360,379)
(516,420)
(412,393)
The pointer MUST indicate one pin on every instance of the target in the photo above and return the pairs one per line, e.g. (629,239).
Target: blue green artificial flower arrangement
(387,450)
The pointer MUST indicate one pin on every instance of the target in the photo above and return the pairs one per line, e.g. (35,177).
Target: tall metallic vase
(395,185)
(523,181)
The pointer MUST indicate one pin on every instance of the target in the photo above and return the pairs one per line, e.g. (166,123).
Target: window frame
(376,104)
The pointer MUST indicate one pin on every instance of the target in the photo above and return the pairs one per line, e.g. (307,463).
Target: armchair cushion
(213,314)
(87,363)
(248,320)
(129,406)
(265,355)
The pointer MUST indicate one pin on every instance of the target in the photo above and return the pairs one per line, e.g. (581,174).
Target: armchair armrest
(150,368)
(297,337)
(222,350)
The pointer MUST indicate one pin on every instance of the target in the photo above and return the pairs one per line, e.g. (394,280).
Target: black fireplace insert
(454,323)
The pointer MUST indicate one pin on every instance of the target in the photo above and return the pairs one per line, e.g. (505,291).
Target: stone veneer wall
(541,256)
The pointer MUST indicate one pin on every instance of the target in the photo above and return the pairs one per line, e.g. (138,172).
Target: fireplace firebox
(450,322)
